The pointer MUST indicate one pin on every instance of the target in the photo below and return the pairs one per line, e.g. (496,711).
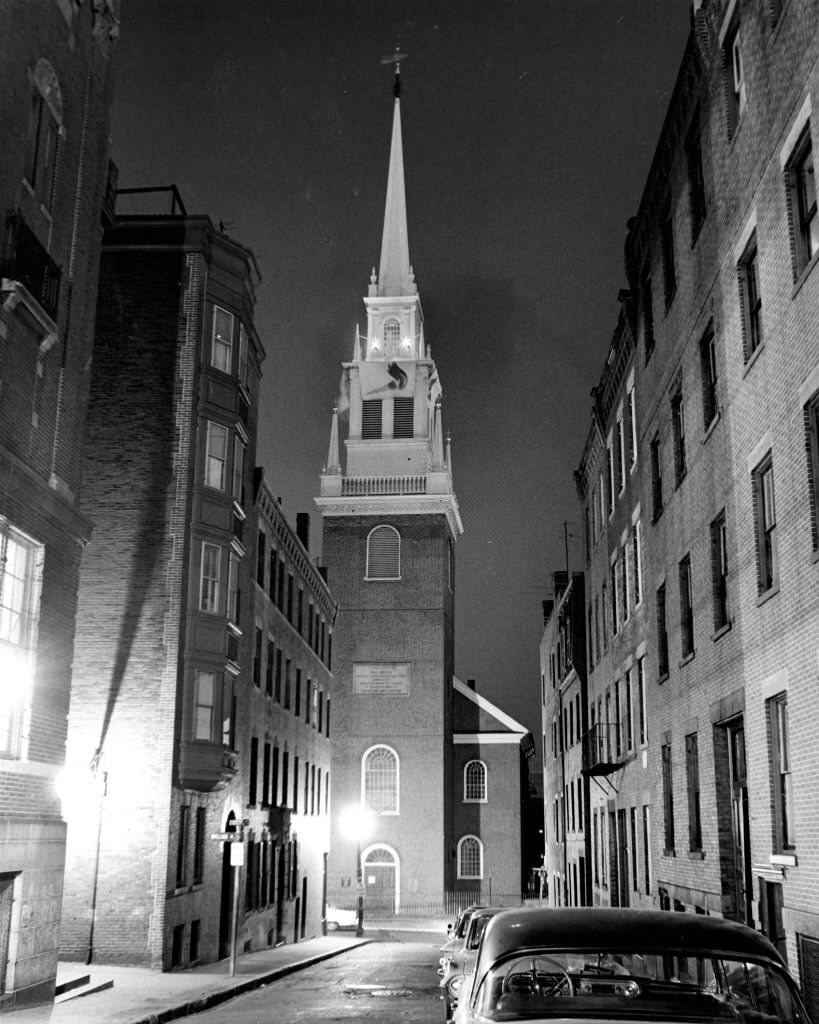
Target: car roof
(614,928)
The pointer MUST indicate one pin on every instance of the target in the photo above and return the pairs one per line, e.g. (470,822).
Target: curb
(216,998)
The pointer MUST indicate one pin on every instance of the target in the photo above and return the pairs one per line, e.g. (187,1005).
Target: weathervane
(396,58)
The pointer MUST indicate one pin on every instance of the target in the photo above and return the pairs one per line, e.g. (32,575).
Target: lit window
(383,554)
(475,782)
(783,837)
(216,455)
(392,336)
(751,299)
(45,120)
(802,206)
(209,583)
(767,562)
(204,705)
(380,780)
(21,570)
(470,857)
(221,352)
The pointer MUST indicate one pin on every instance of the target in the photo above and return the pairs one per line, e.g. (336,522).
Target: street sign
(228,837)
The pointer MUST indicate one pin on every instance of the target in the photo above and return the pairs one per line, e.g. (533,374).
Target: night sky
(529,127)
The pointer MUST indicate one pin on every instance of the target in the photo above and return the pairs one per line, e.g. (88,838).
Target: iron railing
(27,261)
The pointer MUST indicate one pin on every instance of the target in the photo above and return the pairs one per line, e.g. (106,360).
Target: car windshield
(652,986)
(476,931)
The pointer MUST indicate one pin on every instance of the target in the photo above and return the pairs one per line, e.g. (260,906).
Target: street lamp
(356,823)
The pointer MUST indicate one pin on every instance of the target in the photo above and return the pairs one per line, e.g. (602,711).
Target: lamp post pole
(359,876)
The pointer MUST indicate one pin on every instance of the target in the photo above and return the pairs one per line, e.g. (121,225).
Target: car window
(661,985)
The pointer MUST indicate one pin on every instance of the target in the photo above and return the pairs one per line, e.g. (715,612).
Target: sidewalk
(142,996)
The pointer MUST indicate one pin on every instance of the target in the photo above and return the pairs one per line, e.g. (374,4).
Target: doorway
(380,868)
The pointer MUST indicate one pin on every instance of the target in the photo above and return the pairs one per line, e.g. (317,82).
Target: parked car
(609,964)
(457,930)
(339,917)
(459,962)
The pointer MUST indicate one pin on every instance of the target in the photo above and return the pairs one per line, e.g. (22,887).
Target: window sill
(669,852)
(815,557)
(678,482)
(752,358)
(709,430)
(766,595)
(696,855)
(725,628)
(661,678)
(687,658)
(656,516)
(783,860)
(804,274)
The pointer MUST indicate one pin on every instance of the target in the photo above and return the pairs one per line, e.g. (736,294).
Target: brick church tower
(390,524)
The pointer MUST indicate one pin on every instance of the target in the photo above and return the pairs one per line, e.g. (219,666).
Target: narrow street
(391,980)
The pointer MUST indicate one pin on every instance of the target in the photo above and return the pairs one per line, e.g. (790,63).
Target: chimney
(471,684)
(303,528)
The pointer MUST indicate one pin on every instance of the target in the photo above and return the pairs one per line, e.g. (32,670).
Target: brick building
(289,731)
(722,310)
(55,97)
(160,707)
(390,525)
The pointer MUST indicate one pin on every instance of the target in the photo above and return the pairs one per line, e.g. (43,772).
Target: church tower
(390,523)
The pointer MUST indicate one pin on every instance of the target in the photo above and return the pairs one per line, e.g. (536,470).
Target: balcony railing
(26,260)
(603,749)
(357,486)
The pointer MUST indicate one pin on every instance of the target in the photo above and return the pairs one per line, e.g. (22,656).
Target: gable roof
(477,720)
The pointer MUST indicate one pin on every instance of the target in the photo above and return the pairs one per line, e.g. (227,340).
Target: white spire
(395,275)
(333,458)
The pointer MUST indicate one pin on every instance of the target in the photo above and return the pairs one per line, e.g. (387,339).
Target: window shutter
(371,418)
(403,411)
(384,554)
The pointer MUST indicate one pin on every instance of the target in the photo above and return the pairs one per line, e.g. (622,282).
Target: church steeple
(390,395)
(395,276)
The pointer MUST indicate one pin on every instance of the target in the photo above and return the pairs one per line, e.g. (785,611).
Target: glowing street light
(356,823)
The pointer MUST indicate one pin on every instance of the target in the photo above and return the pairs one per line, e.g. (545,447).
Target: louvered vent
(384,554)
(402,417)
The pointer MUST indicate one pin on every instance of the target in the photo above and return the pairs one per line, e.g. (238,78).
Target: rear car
(609,964)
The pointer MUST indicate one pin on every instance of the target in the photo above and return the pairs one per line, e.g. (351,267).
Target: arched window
(475,782)
(45,125)
(384,554)
(392,336)
(379,769)
(470,857)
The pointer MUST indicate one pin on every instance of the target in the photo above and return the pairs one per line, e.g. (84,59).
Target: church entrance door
(380,874)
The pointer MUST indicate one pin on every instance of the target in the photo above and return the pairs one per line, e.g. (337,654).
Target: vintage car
(456,932)
(609,964)
(459,962)
(340,917)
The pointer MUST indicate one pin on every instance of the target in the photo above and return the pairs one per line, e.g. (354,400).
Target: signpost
(237,859)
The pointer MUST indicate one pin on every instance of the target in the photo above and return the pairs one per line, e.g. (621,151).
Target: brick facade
(55,76)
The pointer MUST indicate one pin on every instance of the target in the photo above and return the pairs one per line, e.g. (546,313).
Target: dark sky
(529,127)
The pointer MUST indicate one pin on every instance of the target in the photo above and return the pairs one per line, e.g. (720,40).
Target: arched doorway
(382,876)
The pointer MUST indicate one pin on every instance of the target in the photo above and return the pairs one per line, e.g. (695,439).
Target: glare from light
(356,822)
